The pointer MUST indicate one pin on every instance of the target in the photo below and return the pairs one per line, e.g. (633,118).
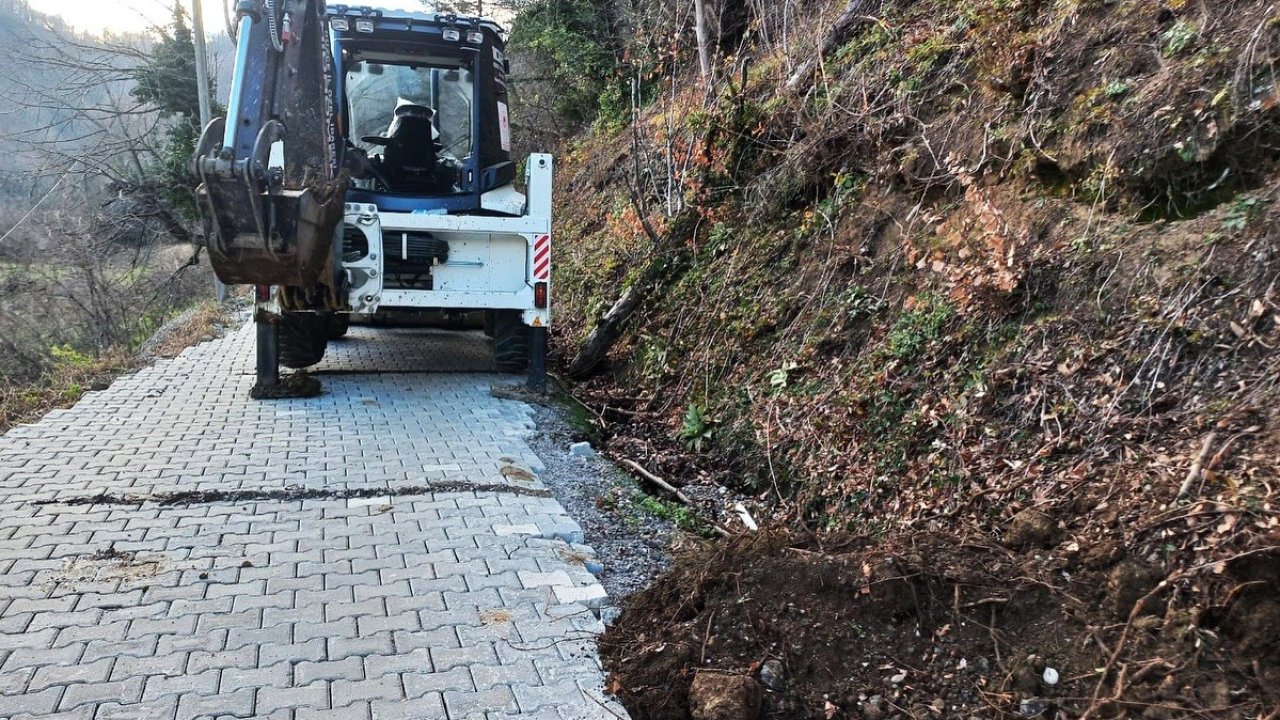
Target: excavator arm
(271,185)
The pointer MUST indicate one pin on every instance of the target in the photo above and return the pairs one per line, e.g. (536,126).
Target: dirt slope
(991,291)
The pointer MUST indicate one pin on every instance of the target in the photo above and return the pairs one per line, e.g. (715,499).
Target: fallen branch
(638,470)
(657,481)
(856,13)
(610,327)
(1196,473)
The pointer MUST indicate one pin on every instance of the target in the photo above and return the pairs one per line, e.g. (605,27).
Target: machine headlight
(475,38)
(340,24)
(364,26)
(452,35)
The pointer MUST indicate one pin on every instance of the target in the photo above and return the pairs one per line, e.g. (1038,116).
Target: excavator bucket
(271,192)
(296,248)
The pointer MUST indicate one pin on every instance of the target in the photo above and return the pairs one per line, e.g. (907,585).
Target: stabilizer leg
(537,360)
(268,353)
(270,385)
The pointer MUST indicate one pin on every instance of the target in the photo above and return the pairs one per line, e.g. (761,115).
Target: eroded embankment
(989,266)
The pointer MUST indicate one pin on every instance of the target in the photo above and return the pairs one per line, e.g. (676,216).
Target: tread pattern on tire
(510,342)
(302,338)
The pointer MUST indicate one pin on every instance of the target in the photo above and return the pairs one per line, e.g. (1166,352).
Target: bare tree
(700,29)
(95,252)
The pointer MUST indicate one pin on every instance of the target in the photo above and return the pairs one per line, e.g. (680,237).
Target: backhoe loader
(364,168)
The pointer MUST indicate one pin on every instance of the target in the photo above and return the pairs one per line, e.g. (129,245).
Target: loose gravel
(631,543)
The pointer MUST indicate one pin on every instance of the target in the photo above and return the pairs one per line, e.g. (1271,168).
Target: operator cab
(422,99)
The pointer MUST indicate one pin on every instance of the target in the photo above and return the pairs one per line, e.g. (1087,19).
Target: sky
(95,16)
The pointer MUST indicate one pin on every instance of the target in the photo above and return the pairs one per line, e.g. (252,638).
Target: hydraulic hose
(273,25)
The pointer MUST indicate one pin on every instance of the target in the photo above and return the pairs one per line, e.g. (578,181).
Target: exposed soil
(994,286)
(108,567)
(938,628)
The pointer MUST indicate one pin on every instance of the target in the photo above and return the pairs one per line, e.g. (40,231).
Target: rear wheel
(339,323)
(510,341)
(302,338)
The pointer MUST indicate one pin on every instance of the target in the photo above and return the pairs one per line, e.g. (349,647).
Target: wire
(231,28)
(36,206)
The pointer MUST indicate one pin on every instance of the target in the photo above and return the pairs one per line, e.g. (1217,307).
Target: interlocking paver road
(170,548)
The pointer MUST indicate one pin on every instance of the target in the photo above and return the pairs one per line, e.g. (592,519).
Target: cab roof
(391,19)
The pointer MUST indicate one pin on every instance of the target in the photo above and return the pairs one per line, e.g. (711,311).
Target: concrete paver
(170,548)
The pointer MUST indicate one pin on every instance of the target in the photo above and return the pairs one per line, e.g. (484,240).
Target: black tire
(302,338)
(489,322)
(339,324)
(510,341)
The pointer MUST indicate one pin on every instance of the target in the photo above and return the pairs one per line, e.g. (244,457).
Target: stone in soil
(724,696)
(772,674)
(1030,528)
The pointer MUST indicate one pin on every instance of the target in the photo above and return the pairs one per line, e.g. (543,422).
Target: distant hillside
(26,92)
(64,95)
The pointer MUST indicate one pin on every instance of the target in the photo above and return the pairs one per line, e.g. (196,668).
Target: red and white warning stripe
(542,258)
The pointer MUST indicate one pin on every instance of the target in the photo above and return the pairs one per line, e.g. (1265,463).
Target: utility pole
(202,89)
(202,62)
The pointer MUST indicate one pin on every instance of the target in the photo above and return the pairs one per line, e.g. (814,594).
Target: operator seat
(411,158)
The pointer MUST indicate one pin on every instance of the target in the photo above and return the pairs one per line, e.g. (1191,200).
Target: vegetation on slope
(1003,270)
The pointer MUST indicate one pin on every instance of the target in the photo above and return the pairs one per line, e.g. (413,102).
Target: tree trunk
(854,14)
(704,49)
(610,327)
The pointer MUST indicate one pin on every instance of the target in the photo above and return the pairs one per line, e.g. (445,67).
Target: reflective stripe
(542,258)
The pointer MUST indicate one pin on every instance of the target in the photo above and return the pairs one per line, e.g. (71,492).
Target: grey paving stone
(37,703)
(427,707)
(163,709)
(382,687)
(127,690)
(312,695)
(498,698)
(351,668)
(415,661)
(358,711)
(279,675)
(312,650)
(205,683)
(128,666)
(62,675)
(424,605)
(222,705)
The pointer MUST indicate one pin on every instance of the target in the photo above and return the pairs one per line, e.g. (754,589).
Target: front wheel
(302,338)
(510,341)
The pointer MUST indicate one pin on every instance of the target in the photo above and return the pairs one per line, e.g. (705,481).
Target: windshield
(375,90)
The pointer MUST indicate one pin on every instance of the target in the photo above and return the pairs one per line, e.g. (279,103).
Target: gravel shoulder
(616,517)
